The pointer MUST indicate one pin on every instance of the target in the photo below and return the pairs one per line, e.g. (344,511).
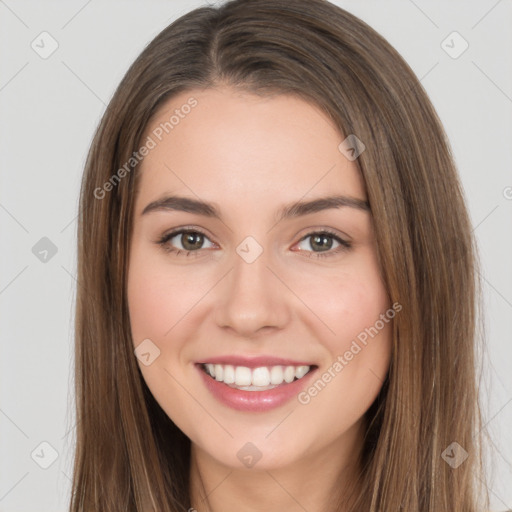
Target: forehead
(225,143)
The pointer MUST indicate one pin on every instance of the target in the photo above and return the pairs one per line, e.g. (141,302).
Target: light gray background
(49,109)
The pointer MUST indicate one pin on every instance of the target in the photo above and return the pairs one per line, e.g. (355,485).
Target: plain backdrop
(49,108)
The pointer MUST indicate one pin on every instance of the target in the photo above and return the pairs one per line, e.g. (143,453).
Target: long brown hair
(129,455)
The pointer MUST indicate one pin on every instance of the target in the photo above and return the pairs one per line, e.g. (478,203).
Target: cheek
(157,297)
(363,304)
(354,308)
(149,304)
(357,353)
(347,302)
(158,303)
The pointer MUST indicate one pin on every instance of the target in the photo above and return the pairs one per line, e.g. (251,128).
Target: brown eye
(185,240)
(322,242)
(191,240)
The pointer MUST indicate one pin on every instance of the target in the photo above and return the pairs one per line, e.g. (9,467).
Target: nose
(252,299)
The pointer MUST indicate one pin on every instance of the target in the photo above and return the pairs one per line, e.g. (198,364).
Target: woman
(277,300)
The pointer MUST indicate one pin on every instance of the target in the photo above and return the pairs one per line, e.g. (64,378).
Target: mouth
(261,378)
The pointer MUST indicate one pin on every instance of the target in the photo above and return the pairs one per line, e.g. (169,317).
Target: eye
(322,242)
(188,240)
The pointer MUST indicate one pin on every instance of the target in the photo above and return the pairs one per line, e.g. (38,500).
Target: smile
(257,388)
(255,379)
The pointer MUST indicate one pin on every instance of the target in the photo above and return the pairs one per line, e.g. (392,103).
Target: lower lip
(255,401)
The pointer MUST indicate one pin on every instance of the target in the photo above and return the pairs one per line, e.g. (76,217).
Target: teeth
(260,377)
(257,378)
(289,374)
(276,375)
(242,376)
(229,374)
(219,372)
(300,371)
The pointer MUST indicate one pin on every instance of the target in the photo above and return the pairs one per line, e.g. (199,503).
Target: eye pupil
(324,242)
(194,239)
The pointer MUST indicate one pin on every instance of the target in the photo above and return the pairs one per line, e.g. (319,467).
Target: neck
(316,482)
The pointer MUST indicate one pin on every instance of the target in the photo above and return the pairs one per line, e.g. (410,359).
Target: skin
(250,156)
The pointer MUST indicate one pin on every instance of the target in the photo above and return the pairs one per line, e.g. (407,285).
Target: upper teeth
(262,376)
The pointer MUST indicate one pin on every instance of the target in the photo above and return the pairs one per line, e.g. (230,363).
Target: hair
(129,455)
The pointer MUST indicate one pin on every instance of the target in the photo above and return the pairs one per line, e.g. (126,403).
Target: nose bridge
(251,298)
(250,270)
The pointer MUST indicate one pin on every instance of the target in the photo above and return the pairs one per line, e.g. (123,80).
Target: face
(249,286)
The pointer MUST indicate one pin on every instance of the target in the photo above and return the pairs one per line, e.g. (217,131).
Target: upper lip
(254,362)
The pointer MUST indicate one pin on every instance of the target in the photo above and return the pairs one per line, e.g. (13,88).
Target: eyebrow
(296,209)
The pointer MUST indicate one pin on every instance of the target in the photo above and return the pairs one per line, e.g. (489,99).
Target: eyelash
(163,242)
